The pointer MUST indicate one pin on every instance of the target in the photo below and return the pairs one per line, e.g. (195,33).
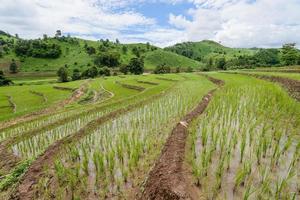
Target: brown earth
(168,180)
(25,189)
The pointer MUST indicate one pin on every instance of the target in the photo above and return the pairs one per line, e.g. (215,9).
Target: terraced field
(173,136)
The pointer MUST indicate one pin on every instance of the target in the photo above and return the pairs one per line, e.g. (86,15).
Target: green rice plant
(204,137)
(85,161)
(14,175)
(241,175)
(60,172)
(219,172)
(242,148)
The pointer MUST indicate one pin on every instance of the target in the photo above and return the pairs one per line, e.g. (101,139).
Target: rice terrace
(175,112)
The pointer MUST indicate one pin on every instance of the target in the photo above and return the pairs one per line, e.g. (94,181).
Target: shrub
(136,66)
(124,69)
(162,69)
(104,71)
(110,59)
(62,73)
(76,75)
(13,68)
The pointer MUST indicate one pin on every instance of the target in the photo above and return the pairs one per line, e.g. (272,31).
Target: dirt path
(292,86)
(74,97)
(168,179)
(25,188)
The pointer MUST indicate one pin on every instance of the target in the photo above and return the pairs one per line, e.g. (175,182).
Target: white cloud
(239,23)
(243,23)
(32,18)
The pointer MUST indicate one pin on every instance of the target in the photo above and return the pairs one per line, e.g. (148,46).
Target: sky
(234,23)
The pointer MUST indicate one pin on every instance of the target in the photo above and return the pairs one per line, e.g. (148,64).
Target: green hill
(159,56)
(202,51)
(74,54)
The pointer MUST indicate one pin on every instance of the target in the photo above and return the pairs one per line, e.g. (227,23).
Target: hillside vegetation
(213,55)
(49,54)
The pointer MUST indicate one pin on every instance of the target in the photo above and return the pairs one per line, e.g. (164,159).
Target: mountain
(49,54)
(160,56)
(203,50)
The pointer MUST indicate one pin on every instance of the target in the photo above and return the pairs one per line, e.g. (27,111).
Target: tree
(62,74)
(13,68)
(58,33)
(210,63)
(76,75)
(110,59)
(104,71)
(4,81)
(177,70)
(290,54)
(45,37)
(90,50)
(136,66)
(148,45)
(220,63)
(124,49)
(136,51)
(93,72)
(124,69)
(117,41)
(267,57)
(189,69)
(162,69)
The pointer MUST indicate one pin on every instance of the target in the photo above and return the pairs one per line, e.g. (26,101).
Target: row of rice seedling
(33,146)
(36,140)
(106,162)
(44,121)
(246,145)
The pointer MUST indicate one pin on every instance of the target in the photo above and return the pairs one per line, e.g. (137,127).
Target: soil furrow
(25,188)
(168,179)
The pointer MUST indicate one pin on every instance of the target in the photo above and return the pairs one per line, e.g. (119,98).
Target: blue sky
(235,23)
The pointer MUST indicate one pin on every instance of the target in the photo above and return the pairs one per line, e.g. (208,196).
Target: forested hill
(51,53)
(214,55)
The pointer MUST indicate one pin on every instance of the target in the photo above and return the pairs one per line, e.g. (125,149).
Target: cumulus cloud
(244,23)
(236,23)
(32,18)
